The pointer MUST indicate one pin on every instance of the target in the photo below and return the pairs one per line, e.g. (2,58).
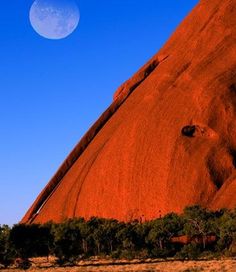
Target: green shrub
(23,264)
(30,240)
(67,242)
(213,233)
(6,252)
(127,254)
(191,251)
(115,254)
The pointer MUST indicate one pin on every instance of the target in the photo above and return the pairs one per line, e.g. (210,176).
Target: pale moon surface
(54,19)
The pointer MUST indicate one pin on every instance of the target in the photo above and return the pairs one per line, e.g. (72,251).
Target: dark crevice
(183,69)
(209,20)
(150,68)
(219,172)
(146,73)
(188,131)
(130,85)
(216,177)
(233,155)
(179,72)
(232,88)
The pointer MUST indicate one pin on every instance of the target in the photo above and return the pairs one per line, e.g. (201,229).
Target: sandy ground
(228,265)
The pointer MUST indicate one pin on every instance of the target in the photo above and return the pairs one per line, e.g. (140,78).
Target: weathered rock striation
(168,140)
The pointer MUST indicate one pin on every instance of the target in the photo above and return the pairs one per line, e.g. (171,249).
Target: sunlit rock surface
(169,138)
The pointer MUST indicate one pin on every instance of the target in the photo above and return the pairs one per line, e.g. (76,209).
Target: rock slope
(168,140)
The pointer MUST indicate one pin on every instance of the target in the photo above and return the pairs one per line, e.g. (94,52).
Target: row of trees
(205,232)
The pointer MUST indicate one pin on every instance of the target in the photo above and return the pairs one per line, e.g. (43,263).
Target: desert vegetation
(197,233)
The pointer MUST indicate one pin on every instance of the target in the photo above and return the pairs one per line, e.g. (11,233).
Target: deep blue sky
(52,91)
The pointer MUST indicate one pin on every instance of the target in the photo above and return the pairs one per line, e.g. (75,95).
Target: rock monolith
(167,141)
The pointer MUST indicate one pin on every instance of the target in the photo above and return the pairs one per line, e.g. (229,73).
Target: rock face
(168,140)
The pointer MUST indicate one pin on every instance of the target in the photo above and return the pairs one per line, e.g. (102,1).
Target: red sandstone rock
(169,138)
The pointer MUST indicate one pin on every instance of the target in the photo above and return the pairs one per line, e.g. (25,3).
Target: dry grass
(42,265)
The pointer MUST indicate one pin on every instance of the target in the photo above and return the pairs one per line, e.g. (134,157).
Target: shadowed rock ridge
(168,140)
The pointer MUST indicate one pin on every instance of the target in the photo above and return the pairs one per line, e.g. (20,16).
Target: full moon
(54,19)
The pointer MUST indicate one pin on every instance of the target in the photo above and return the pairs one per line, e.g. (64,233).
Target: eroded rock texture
(169,138)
